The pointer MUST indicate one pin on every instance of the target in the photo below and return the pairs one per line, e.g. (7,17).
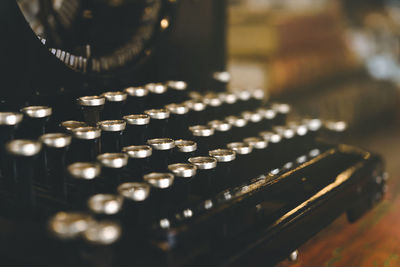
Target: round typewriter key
(162,153)
(136,210)
(91,107)
(177,91)
(178,121)
(55,148)
(214,106)
(160,199)
(158,95)
(203,184)
(282,111)
(35,122)
(69,225)
(111,137)
(269,116)
(220,80)
(23,160)
(197,113)
(184,173)
(257,97)
(239,129)
(184,149)
(302,141)
(224,175)
(85,144)
(137,100)
(8,124)
(287,146)
(68,126)
(243,158)
(228,103)
(81,183)
(102,233)
(222,129)
(114,105)
(113,165)
(258,155)
(274,151)
(203,135)
(105,205)
(136,129)
(256,122)
(243,103)
(158,122)
(139,160)
(314,127)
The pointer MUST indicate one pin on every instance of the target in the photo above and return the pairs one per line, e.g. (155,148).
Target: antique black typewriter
(121,147)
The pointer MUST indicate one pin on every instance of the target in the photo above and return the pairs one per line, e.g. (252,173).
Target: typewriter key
(222,129)
(112,133)
(178,121)
(287,144)
(8,125)
(157,96)
(273,157)
(114,105)
(137,100)
(102,233)
(136,209)
(158,122)
(269,116)
(184,149)
(282,111)
(69,225)
(112,167)
(68,126)
(239,130)
(177,91)
(105,205)
(302,139)
(91,107)
(257,97)
(136,129)
(160,198)
(224,175)
(197,113)
(243,151)
(81,183)
(23,160)
(228,103)
(256,122)
(204,137)
(184,173)
(34,124)
(258,155)
(314,127)
(220,80)
(214,106)
(139,160)
(204,182)
(243,103)
(85,144)
(162,153)
(55,155)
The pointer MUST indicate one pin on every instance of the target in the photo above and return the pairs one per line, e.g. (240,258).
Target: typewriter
(120,145)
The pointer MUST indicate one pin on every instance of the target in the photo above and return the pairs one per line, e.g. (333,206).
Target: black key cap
(184,149)
(91,108)
(138,162)
(85,144)
(204,184)
(35,121)
(136,129)
(162,153)
(137,100)
(158,122)
(115,102)
(224,172)
(112,170)
(112,134)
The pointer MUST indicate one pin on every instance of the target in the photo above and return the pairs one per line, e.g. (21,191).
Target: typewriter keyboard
(129,176)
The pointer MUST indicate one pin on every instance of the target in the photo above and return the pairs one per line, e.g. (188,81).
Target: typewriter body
(120,145)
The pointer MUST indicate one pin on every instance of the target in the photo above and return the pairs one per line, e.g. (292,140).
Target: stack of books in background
(303,52)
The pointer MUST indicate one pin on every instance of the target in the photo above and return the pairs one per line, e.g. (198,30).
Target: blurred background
(338,60)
